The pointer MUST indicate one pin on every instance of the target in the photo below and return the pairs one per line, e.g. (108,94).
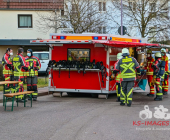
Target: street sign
(124,30)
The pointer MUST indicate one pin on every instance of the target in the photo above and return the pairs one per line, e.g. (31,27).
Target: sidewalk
(41,92)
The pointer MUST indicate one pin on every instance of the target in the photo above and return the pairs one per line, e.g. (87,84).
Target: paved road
(81,118)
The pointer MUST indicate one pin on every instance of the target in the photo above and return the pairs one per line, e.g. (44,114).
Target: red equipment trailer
(101,47)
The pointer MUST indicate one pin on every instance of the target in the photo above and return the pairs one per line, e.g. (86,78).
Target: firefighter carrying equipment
(8,72)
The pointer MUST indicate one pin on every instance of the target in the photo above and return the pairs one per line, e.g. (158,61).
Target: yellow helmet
(163,50)
(119,56)
(149,51)
(158,54)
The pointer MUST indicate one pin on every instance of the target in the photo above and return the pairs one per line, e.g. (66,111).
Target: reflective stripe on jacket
(149,66)
(6,60)
(127,66)
(19,62)
(32,62)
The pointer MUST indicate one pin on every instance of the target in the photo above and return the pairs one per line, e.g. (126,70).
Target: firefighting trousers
(152,89)
(165,85)
(126,91)
(118,90)
(32,85)
(158,83)
(9,87)
(19,87)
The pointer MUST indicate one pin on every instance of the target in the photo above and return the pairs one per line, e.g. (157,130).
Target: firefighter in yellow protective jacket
(165,82)
(19,67)
(149,72)
(8,69)
(127,66)
(34,65)
(118,79)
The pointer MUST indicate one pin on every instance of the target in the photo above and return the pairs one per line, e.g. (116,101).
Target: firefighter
(149,72)
(165,82)
(32,75)
(118,79)
(19,67)
(8,69)
(127,66)
(159,69)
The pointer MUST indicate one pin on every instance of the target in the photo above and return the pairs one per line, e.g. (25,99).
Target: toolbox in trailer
(83,62)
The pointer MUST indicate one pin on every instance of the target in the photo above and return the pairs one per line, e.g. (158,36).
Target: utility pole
(121,18)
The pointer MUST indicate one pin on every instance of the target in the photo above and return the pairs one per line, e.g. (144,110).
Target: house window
(102,30)
(24,21)
(62,12)
(102,6)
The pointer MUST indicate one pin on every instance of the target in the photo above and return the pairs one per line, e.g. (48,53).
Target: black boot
(165,93)
(157,99)
(129,105)
(35,99)
(122,104)
(20,100)
(118,99)
(29,97)
(150,95)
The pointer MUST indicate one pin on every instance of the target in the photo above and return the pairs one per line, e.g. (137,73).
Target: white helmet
(158,54)
(119,56)
(125,50)
(163,50)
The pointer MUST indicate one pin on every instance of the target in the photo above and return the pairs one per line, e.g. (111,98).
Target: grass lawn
(41,83)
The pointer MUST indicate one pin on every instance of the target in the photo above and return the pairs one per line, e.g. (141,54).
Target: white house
(20,21)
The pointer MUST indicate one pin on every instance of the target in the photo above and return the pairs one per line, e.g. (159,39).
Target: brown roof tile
(32,4)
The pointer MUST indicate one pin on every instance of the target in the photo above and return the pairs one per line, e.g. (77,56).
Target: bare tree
(80,15)
(150,18)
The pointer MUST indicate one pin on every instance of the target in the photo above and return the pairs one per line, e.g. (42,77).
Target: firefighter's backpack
(162,68)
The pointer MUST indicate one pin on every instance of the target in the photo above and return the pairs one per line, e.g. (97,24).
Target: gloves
(25,68)
(166,77)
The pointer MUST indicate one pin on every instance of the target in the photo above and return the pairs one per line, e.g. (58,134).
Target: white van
(44,59)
